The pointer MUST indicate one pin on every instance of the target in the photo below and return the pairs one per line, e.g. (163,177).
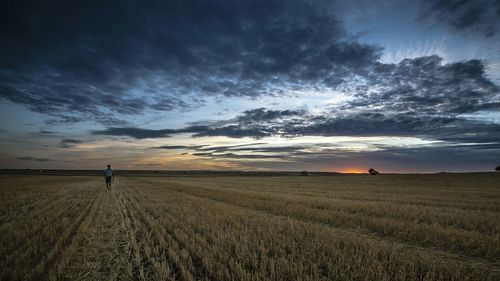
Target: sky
(325,85)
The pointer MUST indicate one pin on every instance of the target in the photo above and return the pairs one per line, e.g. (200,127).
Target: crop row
(221,241)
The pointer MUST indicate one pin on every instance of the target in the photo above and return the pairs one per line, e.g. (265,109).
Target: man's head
(109,166)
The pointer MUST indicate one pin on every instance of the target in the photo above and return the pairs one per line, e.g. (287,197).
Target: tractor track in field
(103,249)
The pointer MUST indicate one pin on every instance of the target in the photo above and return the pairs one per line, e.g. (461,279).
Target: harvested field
(343,227)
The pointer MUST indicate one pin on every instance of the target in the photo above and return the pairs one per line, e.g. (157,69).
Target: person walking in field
(109,176)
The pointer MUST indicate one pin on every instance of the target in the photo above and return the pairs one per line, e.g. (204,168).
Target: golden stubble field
(388,227)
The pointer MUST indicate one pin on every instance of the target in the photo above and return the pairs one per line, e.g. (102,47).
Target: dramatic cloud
(73,62)
(222,71)
(428,87)
(176,147)
(252,123)
(134,132)
(238,156)
(66,143)
(255,147)
(323,155)
(250,151)
(258,150)
(416,97)
(419,97)
(28,158)
(465,15)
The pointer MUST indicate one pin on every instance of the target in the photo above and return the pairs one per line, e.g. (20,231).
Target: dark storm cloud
(237,151)
(254,148)
(262,114)
(374,124)
(44,132)
(94,60)
(492,146)
(137,133)
(230,155)
(428,86)
(223,148)
(416,97)
(370,124)
(255,123)
(465,15)
(103,61)
(233,151)
(235,131)
(252,151)
(378,124)
(29,158)
(435,119)
(441,157)
(66,143)
(175,147)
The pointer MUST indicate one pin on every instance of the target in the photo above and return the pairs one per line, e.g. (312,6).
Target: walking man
(109,175)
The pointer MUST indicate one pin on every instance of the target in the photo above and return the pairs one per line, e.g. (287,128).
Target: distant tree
(304,173)
(372,172)
(497,169)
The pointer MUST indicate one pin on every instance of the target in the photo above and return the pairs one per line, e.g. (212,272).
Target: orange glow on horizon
(354,171)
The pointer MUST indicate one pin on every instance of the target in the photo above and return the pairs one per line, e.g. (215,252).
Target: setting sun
(250,140)
(353,171)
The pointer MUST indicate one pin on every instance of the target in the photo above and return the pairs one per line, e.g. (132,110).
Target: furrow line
(177,229)
(178,270)
(40,217)
(43,267)
(135,267)
(56,271)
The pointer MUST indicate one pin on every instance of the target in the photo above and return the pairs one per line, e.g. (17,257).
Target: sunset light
(250,140)
(251,85)
(353,171)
